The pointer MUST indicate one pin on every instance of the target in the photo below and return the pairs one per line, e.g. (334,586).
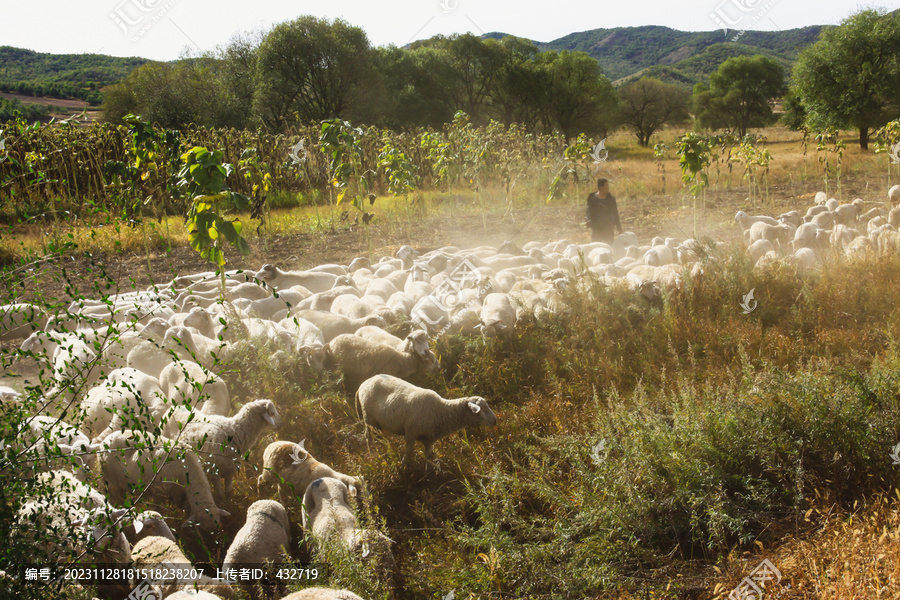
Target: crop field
(656,445)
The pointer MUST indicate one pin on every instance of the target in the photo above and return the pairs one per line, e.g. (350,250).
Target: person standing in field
(603,214)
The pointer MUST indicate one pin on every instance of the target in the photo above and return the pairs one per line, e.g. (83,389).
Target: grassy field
(642,451)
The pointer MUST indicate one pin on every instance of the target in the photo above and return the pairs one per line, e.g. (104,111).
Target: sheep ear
(138,526)
(474,407)
(97,532)
(351,489)
(224,513)
(118,513)
(269,419)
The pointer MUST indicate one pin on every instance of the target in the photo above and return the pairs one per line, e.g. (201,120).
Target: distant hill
(682,57)
(76,76)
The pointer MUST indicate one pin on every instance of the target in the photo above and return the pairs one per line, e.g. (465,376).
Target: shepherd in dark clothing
(603,214)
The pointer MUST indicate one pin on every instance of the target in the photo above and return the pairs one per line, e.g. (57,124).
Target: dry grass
(850,556)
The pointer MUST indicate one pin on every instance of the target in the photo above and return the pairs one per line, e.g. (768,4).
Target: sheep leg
(410,449)
(216,482)
(229,479)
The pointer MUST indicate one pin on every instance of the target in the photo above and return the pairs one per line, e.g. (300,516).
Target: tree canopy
(311,68)
(647,104)
(739,95)
(850,77)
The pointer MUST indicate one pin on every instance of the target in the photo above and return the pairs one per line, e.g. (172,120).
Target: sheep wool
(158,552)
(265,536)
(293,465)
(359,358)
(320,593)
(136,456)
(392,405)
(225,439)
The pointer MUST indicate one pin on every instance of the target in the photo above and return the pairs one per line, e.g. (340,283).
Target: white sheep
(894,216)
(197,318)
(813,211)
(805,259)
(128,397)
(165,555)
(874,224)
(659,255)
(758,248)
(777,234)
(9,396)
(430,313)
(792,218)
(498,315)
(390,404)
(328,515)
(47,437)
(381,288)
(145,524)
(332,325)
(69,516)
(179,343)
(824,219)
(746,221)
(20,320)
(248,291)
(401,303)
(360,307)
(379,336)
(324,300)
(224,440)
(265,536)
(358,358)
(319,593)
(290,465)
(847,214)
(185,383)
(314,281)
(132,458)
(894,194)
(192,594)
(805,236)
(821,198)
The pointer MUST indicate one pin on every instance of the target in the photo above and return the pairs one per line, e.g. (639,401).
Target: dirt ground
(59,107)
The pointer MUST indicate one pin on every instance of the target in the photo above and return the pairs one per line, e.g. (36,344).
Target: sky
(167,29)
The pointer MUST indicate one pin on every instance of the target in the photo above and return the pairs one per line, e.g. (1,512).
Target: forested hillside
(77,76)
(623,51)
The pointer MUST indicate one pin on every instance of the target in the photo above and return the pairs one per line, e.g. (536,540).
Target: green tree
(794,116)
(314,69)
(739,95)
(477,65)
(172,94)
(580,98)
(414,87)
(850,77)
(521,95)
(647,104)
(237,71)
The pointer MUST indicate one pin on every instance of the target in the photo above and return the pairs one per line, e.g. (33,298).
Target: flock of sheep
(134,398)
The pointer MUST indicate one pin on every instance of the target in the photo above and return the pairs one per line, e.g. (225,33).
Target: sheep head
(267,273)
(481,411)
(324,488)
(417,343)
(269,412)
(208,521)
